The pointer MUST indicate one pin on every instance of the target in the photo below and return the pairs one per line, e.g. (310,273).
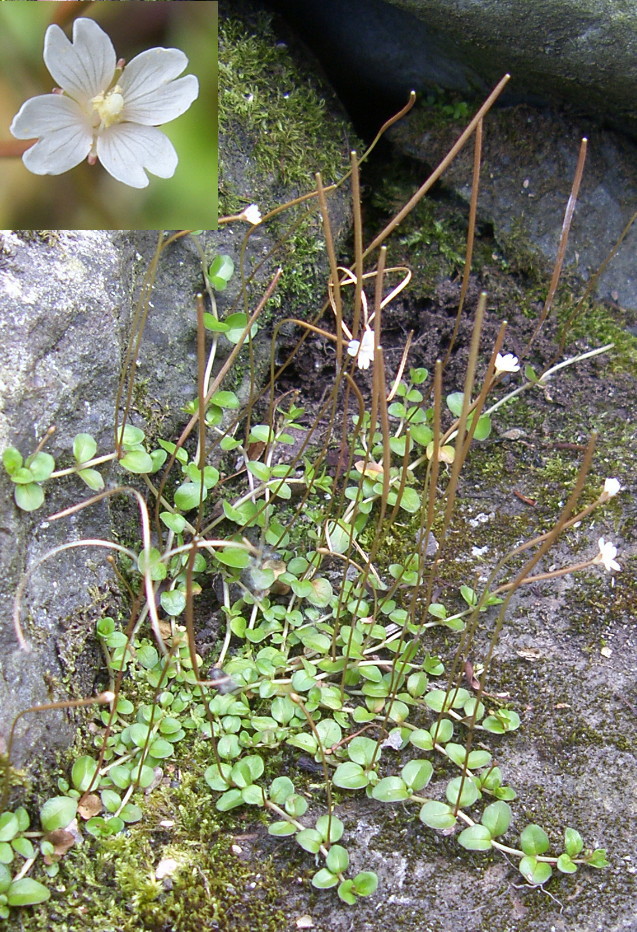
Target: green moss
(274,110)
(113,885)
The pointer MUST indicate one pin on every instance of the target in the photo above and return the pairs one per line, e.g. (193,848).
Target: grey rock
(580,53)
(529,161)
(67,302)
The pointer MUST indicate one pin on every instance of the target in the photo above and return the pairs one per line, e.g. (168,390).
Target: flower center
(109,106)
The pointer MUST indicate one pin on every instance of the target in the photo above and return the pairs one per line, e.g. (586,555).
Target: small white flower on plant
(363,349)
(612,487)
(508,363)
(104,110)
(606,555)
(252,214)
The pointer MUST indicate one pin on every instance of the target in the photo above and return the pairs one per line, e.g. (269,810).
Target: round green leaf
(534,871)
(152,563)
(337,859)
(131,813)
(105,627)
(189,495)
(220,272)
(454,402)
(534,840)
(9,826)
(84,448)
(565,864)
(57,812)
(83,773)
(417,774)
(421,739)
(143,776)
(497,818)
(310,840)
(12,460)
(350,776)
(573,842)
(247,770)
(281,829)
(22,476)
(329,731)
(229,747)
(229,800)
(505,720)
(283,710)
(361,750)
(28,497)
(296,805)
(139,734)
(475,838)
(92,478)
(23,846)
(132,436)
(40,465)
(216,780)
(346,892)
(137,461)
(6,853)
(598,858)
(23,818)
(252,795)
(483,428)
(27,892)
(225,399)
(233,556)
(331,829)
(437,815)
(111,800)
(321,592)
(120,775)
(365,883)
(175,523)
(410,500)
(5,879)
(236,324)
(390,790)
(161,749)
(324,879)
(442,731)
(147,656)
(173,602)
(462,792)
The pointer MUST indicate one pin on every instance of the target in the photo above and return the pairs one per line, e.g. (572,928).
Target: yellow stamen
(109,106)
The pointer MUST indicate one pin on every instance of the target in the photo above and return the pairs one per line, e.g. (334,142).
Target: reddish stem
(13,148)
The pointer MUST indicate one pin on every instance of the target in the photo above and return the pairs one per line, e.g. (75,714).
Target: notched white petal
(162,104)
(85,67)
(58,152)
(151,68)
(46,114)
(125,150)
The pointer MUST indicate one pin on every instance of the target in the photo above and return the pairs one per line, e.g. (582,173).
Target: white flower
(612,487)
(508,363)
(606,555)
(364,349)
(252,214)
(105,112)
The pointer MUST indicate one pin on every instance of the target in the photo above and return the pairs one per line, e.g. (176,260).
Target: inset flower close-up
(105,110)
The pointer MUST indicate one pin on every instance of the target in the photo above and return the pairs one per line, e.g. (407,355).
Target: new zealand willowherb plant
(323,646)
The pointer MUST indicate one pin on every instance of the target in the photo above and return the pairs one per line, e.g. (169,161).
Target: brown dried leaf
(89,806)
(62,840)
